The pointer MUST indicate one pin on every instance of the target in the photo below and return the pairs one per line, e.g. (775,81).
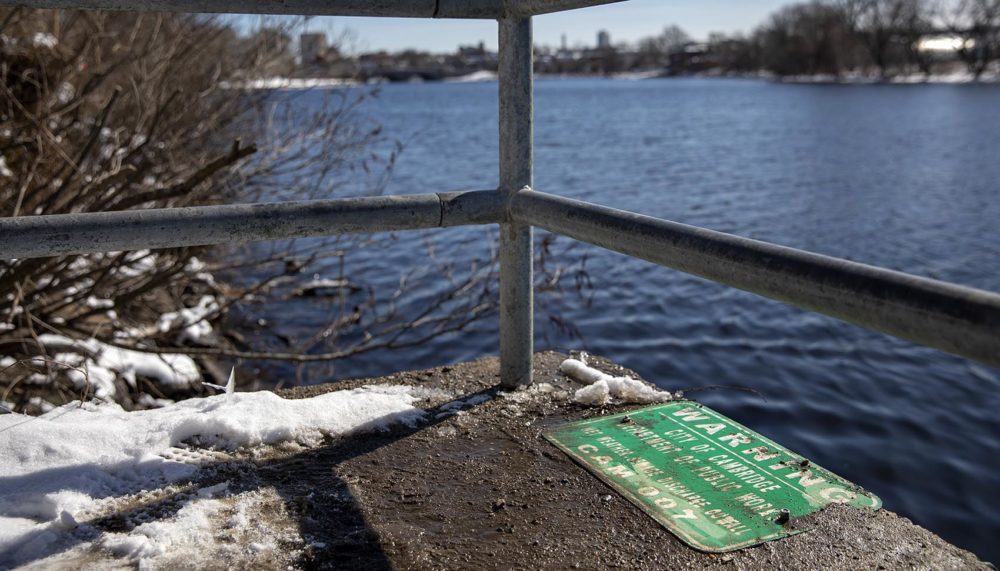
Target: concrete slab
(482,489)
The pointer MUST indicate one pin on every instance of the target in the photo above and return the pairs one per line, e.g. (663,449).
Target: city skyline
(626,21)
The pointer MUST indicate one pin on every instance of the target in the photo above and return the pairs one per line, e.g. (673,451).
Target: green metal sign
(713,482)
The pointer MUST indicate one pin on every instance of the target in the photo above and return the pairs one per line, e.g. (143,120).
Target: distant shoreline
(299,83)
(960,78)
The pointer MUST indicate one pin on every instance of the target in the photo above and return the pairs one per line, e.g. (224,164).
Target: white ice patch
(603,387)
(64,466)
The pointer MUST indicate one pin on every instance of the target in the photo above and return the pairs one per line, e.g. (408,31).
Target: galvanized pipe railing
(516,148)
(956,319)
(960,320)
(63,234)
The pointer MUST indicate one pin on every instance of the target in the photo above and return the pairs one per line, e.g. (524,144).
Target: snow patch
(603,387)
(65,93)
(101,360)
(98,303)
(71,464)
(191,322)
(137,263)
(192,524)
(44,40)
(4,169)
(596,394)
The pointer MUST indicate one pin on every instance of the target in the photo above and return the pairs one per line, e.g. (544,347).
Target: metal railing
(953,318)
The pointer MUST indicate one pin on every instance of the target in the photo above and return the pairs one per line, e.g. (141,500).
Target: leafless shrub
(112,111)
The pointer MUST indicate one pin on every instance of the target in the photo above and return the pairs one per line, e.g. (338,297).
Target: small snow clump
(602,387)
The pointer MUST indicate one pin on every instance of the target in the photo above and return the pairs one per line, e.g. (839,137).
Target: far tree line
(833,37)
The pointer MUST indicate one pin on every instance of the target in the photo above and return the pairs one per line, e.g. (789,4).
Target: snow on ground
(190,525)
(64,473)
(602,387)
(71,466)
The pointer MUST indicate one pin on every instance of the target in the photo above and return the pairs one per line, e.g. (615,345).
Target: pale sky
(626,21)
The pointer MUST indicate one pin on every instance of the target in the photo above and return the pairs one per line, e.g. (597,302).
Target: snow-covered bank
(474,77)
(953,78)
(290,83)
(65,468)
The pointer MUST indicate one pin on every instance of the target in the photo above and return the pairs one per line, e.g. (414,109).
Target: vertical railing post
(516,300)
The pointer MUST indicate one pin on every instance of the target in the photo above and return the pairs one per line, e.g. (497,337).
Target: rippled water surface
(904,177)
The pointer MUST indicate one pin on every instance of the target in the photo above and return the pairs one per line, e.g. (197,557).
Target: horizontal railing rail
(956,319)
(466,9)
(62,234)
(953,318)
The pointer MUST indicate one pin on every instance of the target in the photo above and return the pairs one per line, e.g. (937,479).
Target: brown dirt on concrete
(483,490)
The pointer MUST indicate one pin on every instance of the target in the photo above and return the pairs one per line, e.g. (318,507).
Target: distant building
(477,50)
(603,40)
(692,57)
(312,47)
(943,44)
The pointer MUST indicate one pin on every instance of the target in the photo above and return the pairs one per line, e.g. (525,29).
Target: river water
(905,177)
